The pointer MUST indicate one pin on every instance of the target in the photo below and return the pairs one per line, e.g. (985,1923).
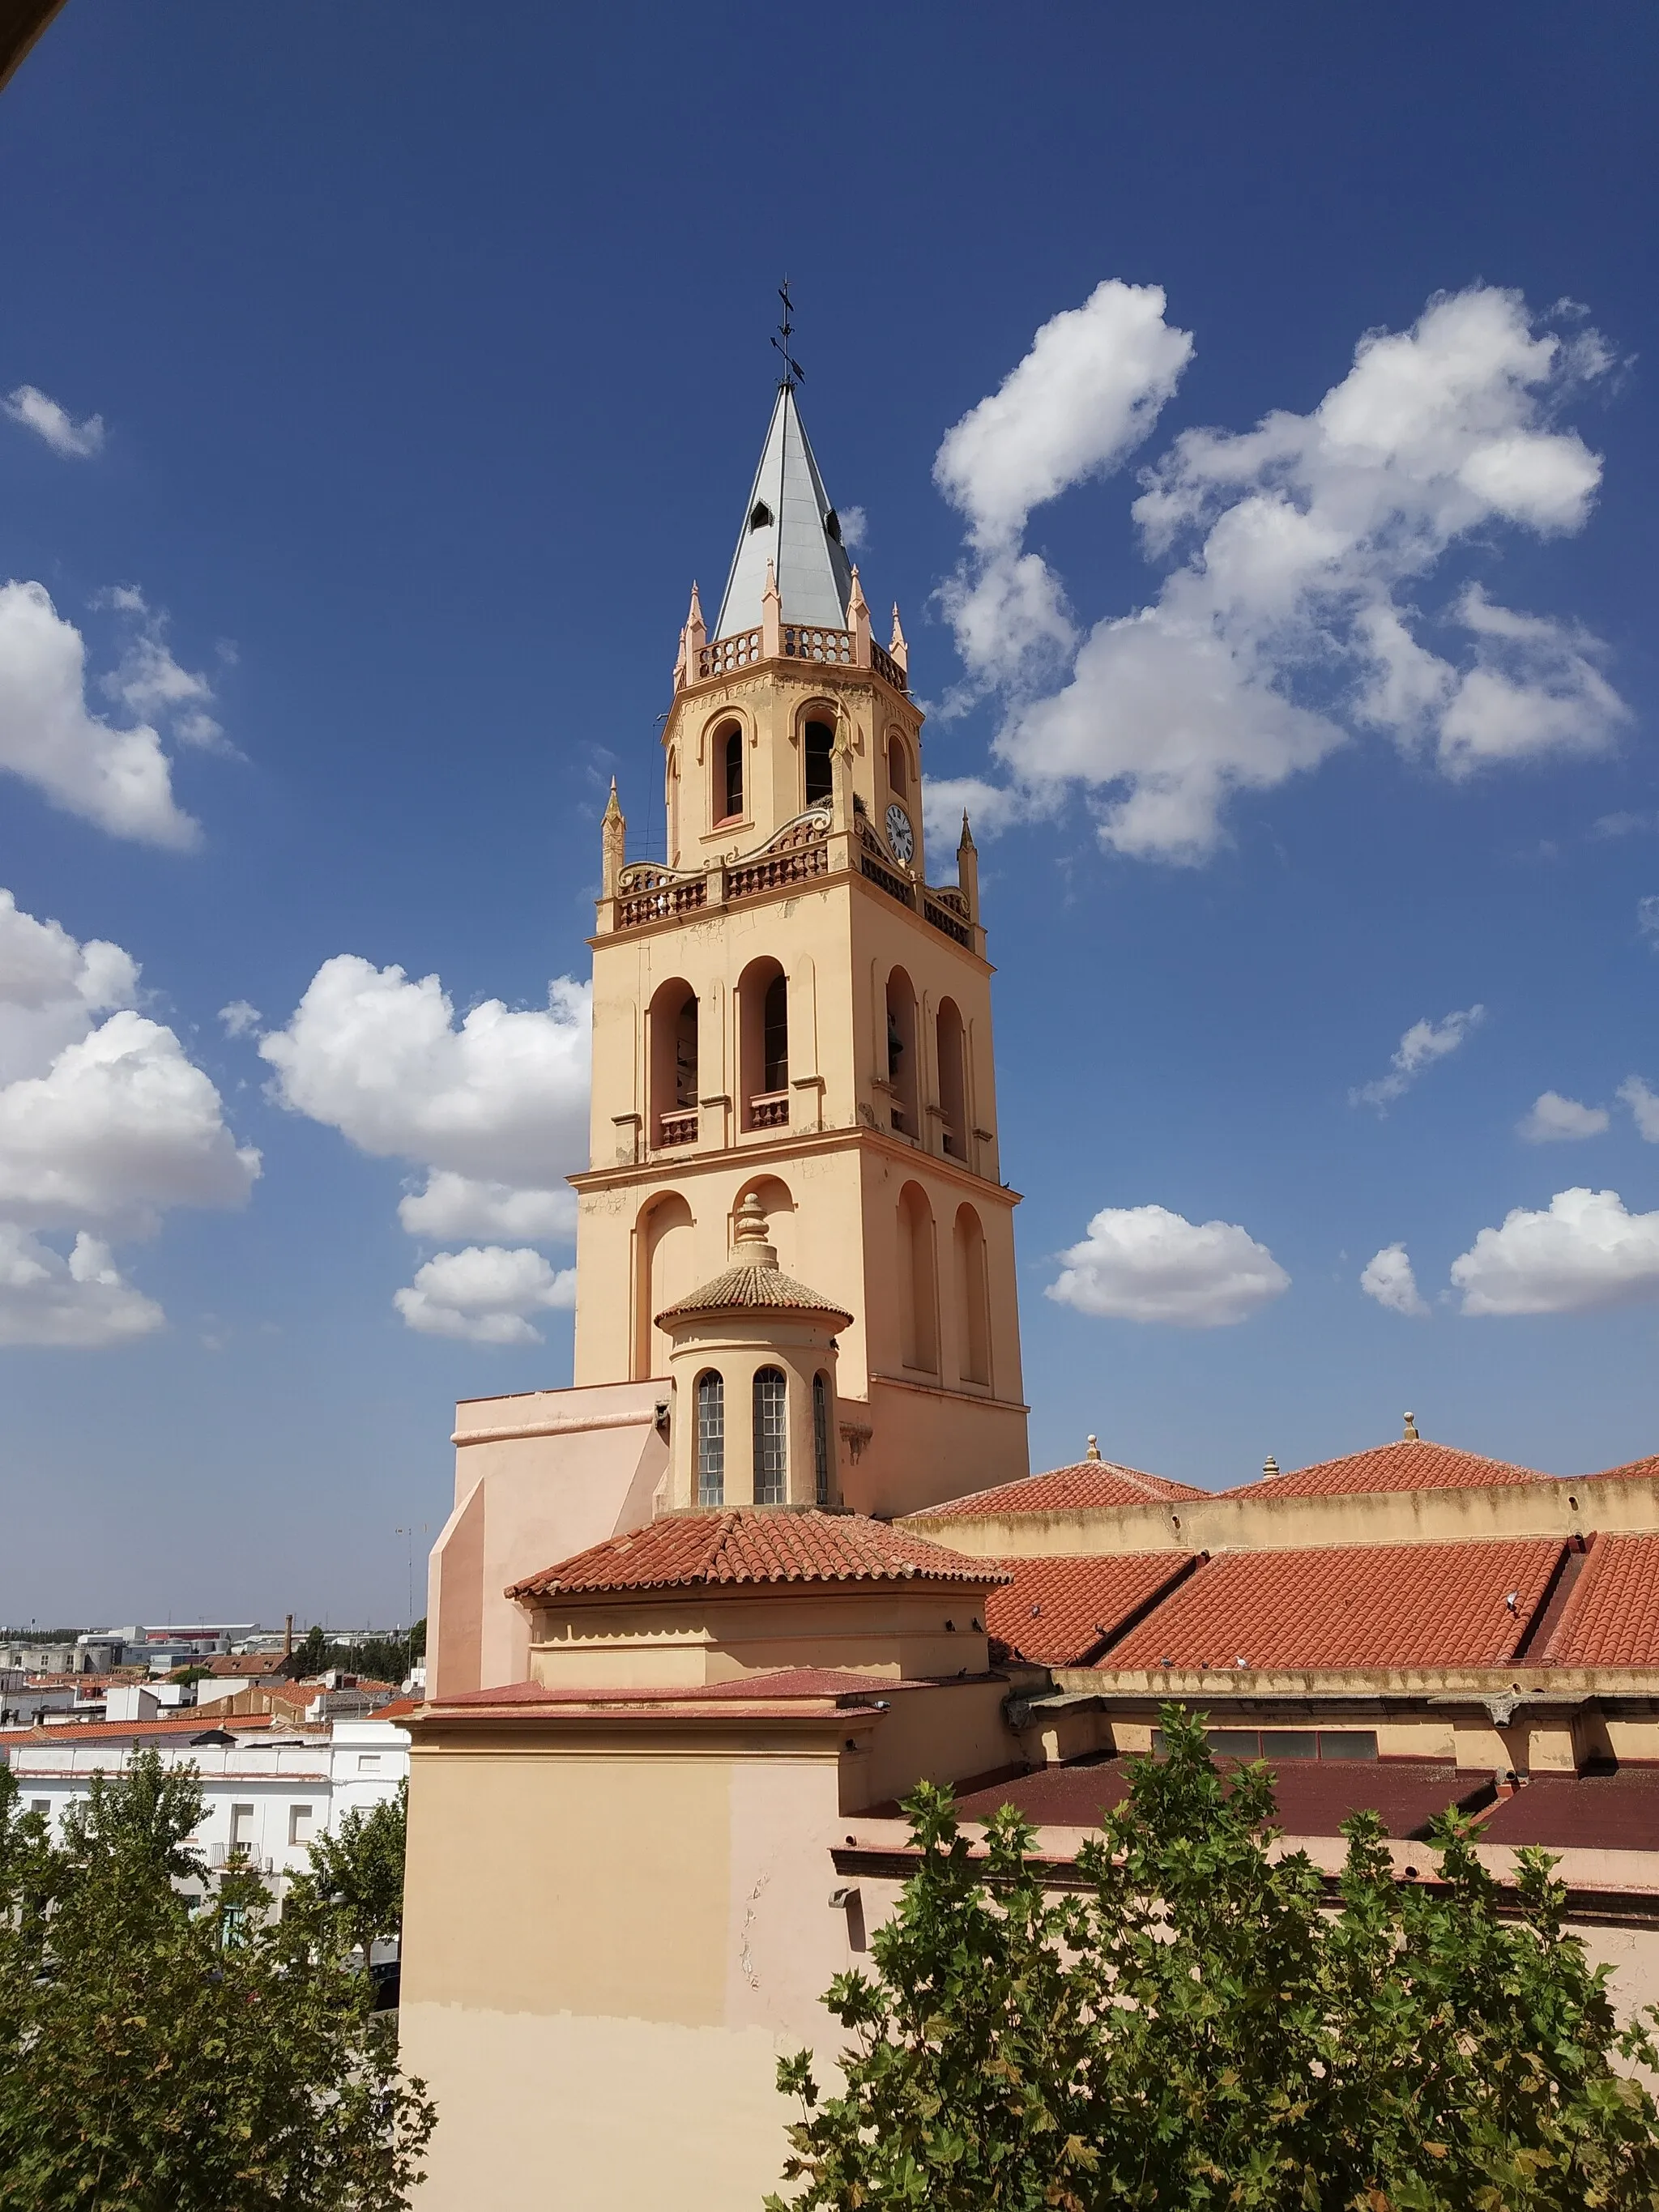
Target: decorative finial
(612,807)
(1411,1435)
(793,373)
(965,842)
(857,605)
(770,589)
(750,1245)
(1093,1451)
(1269,1467)
(899,642)
(695,616)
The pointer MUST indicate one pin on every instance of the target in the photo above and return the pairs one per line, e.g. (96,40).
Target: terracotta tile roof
(745,1545)
(254,1663)
(1418,1465)
(1350,1606)
(1635,1467)
(1059,1611)
(741,1289)
(1091,1483)
(395,1711)
(1612,1617)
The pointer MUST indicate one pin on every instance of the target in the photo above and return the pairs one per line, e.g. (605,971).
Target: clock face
(900,835)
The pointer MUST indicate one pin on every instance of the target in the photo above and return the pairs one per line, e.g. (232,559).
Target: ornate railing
(677,1128)
(646,892)
(722,654)
(884,879)
(806,642)
(779,868)
(955,925)
(839,649)
(885,665)
(770,1111)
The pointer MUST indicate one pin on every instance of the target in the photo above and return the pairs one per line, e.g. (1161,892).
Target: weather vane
(794,373)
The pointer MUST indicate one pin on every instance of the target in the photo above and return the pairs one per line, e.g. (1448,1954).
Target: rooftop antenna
(793,373)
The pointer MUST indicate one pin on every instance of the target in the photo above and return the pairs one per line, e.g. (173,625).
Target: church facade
(697,1623)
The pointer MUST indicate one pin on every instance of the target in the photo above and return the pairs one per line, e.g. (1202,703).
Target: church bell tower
(788,1013)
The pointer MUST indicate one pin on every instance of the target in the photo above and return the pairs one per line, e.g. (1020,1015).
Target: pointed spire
(899,648)
(789,522)
(967,869)
(858,621)
(613,844)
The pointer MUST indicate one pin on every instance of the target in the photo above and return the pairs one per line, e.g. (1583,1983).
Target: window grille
(711,1440)
(770,1451)
(820,1440)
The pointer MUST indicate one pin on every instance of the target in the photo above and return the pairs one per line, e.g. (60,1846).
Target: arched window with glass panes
(711,1439)
(771,1441)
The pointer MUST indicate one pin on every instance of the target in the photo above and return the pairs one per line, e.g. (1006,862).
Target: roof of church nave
(1089,1483)
(754,1545)
(1411,1462)
(789,522)
(753,1282)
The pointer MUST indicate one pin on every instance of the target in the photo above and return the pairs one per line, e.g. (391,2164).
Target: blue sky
(428,368)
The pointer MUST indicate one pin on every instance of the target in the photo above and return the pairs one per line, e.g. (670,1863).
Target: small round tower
(752,1357)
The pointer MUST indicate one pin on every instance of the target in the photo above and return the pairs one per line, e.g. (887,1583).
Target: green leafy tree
(310,1656)
(1200,2029)
(166,2052)
(354,1893)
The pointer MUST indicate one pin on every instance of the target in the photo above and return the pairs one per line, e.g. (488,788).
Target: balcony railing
(770,1110)
(649,893)
(776,870)
(837,648)
(955,925)
(677,1128)
(718,658)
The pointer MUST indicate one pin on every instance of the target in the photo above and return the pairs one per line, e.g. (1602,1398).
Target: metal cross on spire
(793,373)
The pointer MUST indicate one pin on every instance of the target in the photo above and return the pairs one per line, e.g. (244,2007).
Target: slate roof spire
(790,523)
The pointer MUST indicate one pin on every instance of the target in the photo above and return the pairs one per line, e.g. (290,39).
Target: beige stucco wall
(605,1949)
(538,1477)
(893,1631)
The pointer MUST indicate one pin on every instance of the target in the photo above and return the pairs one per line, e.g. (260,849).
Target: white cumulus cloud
(1424,1042)
(239,1018)
(1643,1103)
(36,410)
(1387,1277)
(1553,1119)
(484,1295)
(1085,395)
(105,1124)
(120,779)
(1146,1263)
(494,1107)
(82,1303)
(1582,1253)
(1297,616)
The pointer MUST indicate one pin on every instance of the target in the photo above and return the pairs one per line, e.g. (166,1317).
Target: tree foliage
(167,2052)
(354,1890)
(1199,2028)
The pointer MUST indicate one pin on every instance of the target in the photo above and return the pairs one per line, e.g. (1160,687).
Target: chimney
(287,1638)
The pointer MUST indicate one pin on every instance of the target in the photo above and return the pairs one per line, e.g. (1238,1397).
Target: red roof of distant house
(1058,1612)
(1350,1606)
(74,1732)
(395,1711)
(246,1662)
(747,1546)
(1414,1465)
(1090,1485)
(1612,1617)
